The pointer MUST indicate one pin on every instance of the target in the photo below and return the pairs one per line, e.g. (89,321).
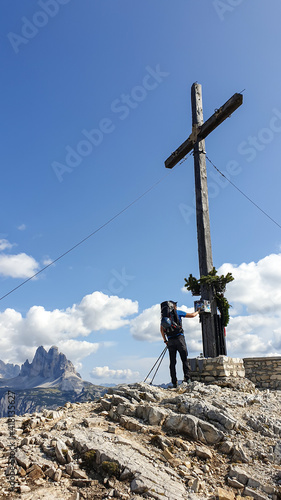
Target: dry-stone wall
(211,369)
(264,372)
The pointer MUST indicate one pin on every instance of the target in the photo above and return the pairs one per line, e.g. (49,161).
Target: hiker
(173,336)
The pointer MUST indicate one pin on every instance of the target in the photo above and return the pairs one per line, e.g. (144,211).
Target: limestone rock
(239,454)
(24,488)
(203,452)
(167,454)
(22,459)
(209,434)
(226,447)
(255,494)
(235,484)
(198,443)
(196,485)
(139,486)
(79,474)
(223,494)
(50,472)
(186,424)
(69,468)
(239,473)
(35,472)
(60,451)
(57,475)
(277,453)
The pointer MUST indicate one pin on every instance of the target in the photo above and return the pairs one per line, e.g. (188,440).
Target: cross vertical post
(212,332)
(209,332)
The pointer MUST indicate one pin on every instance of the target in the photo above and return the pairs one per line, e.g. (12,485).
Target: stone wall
(264,372)
(211,369)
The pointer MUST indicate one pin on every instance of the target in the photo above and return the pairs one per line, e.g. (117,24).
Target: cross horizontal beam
(198,134)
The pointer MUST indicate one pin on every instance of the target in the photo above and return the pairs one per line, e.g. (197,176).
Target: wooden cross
(213,340)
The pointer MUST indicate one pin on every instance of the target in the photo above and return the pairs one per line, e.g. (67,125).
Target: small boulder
(203,452)
(223,494)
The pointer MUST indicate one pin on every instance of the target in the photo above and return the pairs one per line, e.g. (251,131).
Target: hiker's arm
(192,315)
(163,334)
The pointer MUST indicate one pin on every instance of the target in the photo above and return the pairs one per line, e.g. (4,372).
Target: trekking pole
(161,356)
(155,364)
(159,365)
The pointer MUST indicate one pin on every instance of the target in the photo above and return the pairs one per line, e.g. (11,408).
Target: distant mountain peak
(52,378)
(48,364)
(8,370)
(47,369)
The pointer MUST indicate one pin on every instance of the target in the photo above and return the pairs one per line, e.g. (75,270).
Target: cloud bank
(104,372)
(20,336)
(254,329)
(255,294)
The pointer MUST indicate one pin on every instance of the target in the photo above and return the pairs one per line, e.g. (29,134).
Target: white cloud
(254,328)
(257,289)
(104,372)
(20,336)
(18,266)
(47,261)
(254,335)
(77,350)
(101,312)
(146,326)
(256,285)
(22,227)
(5,245)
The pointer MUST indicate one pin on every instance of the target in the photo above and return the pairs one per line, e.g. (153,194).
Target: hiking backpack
(170,321)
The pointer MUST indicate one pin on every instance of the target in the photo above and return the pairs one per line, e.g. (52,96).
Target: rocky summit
(215,442)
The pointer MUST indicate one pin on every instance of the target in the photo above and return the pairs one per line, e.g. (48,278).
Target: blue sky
(94,97)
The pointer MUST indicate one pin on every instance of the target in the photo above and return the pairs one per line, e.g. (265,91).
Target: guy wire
(91,234)
(240,191)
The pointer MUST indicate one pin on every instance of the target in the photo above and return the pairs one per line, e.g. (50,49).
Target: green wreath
(218,283)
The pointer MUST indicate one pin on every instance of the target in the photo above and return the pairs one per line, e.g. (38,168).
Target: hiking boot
(187,380)
(175,385)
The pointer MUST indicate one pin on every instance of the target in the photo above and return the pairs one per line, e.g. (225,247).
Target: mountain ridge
(48,381)
(8,370)
(47,369)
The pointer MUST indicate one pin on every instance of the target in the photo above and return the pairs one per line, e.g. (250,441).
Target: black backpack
(170,321)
